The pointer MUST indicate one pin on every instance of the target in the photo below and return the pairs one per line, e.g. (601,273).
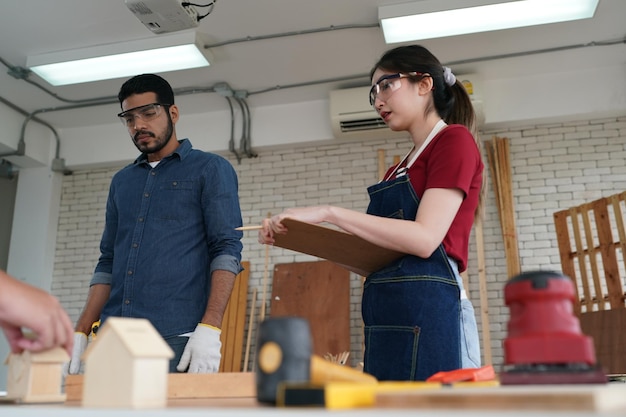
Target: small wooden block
(73,388)
(219,385)
(188,386)
(35,377)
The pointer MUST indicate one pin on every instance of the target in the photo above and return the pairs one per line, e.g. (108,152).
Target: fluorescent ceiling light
(426,19)
(153,55)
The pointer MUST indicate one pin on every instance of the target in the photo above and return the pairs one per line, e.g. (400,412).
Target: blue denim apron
(411,308)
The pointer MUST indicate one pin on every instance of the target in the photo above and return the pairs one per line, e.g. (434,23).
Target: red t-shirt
(452,160)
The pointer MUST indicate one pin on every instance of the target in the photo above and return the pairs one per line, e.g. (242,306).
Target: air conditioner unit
(352,116)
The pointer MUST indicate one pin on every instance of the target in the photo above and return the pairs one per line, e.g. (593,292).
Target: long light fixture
(152,55)
(429,19)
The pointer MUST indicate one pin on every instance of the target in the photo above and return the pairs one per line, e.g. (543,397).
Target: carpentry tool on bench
(284,355)
(545,344)
(484,373)
(94,329)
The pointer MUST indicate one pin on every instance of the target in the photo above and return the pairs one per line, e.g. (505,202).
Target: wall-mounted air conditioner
(352,116)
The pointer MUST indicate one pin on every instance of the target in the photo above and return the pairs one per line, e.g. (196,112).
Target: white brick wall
(554,167)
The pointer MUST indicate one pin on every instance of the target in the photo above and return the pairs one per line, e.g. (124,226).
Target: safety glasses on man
(387,84)
(146,113)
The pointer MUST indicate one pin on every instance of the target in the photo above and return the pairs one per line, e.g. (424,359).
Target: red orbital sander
(545,344)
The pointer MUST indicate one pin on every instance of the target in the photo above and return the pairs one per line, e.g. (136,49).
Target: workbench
(191,410)
(249,407)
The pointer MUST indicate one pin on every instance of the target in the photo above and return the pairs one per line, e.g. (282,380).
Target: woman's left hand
(274,225)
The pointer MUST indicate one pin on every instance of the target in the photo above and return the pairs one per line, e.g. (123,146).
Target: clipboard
(349,251)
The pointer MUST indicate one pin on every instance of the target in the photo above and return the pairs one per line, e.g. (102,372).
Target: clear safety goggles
(146,113)
(386,85)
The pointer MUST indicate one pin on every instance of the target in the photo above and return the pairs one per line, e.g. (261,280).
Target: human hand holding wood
(25,306)
(273,225)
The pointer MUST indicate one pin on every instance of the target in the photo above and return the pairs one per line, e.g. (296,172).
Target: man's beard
(160,143)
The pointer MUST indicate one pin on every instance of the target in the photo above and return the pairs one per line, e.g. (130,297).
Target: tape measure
(94,329)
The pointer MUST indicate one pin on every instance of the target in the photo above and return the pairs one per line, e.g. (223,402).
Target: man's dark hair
(147,83)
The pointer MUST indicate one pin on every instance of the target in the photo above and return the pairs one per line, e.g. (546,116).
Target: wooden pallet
(592,247)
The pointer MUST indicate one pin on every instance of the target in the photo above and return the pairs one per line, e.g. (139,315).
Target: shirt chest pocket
(174,200)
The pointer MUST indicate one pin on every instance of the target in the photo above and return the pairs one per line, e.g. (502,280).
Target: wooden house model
(36,376)
(126,366)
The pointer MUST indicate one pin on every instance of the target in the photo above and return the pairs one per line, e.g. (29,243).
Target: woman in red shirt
(418,320)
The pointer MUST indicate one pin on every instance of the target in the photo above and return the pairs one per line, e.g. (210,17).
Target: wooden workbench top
(505,401)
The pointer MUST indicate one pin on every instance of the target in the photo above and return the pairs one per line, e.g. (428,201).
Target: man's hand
(31,318)
(80,344)
(202,352)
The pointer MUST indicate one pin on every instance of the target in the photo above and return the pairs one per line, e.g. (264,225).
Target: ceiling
(279,69)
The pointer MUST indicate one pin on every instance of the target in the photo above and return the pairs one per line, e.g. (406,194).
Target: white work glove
(202,352)
(80,344)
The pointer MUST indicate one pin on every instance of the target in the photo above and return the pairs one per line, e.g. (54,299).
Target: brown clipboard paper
(349,251)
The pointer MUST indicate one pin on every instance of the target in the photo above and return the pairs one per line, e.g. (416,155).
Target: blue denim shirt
(167,229)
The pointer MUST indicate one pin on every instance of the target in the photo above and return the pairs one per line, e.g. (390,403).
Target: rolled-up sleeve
(226,263)
(101,278)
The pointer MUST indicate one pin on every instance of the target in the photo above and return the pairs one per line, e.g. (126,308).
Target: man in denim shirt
(169,251)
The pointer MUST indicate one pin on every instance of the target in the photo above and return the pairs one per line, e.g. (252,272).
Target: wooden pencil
(244,228)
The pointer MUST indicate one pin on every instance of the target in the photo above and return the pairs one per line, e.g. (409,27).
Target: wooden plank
(593,262)
(619,222)
(565,252)
(228,332)
(509,229)
(579,254)
(320,293)
(347,250)
(233,323)
(219,385)
(512,231)
(483,296)
(382,167)
(240,323)
(493,169)
(500,169)
(607,252)
(575,398)
(250,330)
(180,386)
